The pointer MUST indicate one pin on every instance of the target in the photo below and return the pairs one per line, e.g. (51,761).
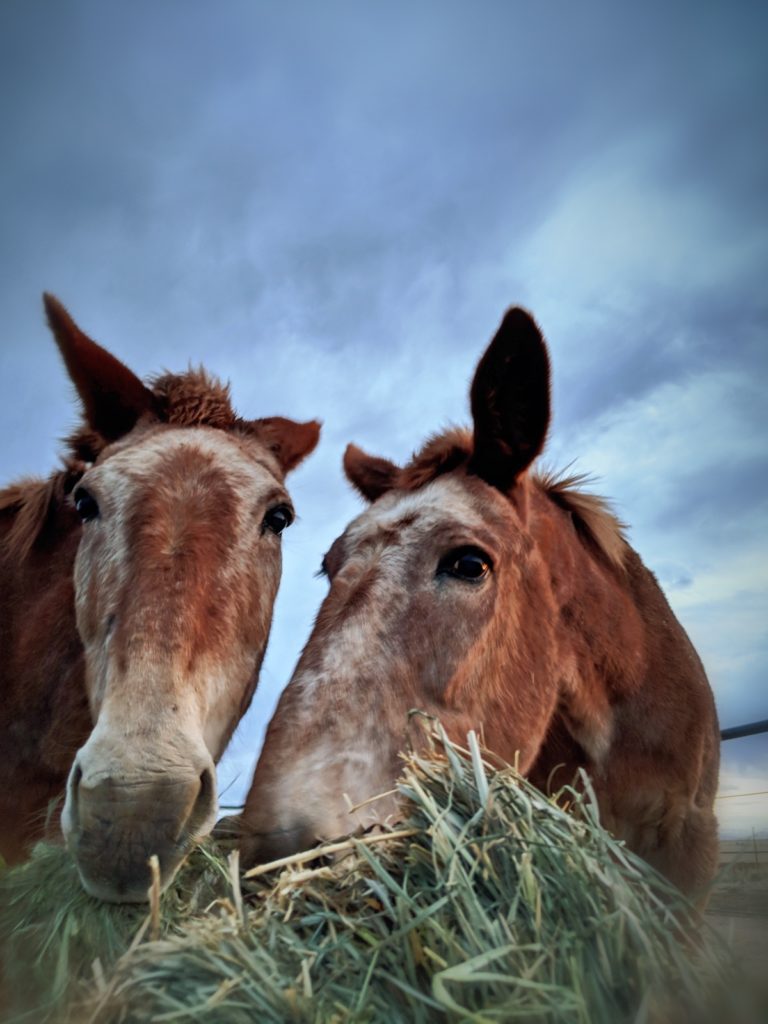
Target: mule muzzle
(113,824)
(262,847)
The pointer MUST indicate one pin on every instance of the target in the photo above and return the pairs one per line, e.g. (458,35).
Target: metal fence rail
(737,731)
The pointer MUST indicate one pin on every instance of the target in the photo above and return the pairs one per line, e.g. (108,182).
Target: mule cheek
(227,695)
(229,645)
(95,575)
(438,637)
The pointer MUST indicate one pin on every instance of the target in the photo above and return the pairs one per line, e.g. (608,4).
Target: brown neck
(586,618)
(44,712)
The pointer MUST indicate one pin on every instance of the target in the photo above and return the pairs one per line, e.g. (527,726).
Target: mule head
(176,573)
(433,590)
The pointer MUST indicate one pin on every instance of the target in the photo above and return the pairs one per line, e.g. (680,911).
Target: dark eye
(470,564)
(278,518)
(86,505)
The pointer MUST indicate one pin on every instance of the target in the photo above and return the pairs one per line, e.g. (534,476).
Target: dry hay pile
(487,903)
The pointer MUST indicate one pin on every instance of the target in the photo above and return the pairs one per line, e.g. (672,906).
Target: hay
(56,941)
(491,903)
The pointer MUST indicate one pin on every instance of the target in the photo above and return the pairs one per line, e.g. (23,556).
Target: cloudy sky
(331,204)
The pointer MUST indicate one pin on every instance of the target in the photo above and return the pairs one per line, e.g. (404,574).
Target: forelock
(194,399)
(441,454)
(191,399)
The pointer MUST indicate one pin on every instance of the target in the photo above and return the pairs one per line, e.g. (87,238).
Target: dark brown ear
(288,440)
(371,475)
(510,401)
(113,397)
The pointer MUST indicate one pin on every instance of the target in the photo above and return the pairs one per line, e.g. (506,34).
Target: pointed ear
(288,440)
(113,397)
(370,475)
(510,401)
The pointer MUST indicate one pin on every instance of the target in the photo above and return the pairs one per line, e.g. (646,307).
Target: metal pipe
(744,730)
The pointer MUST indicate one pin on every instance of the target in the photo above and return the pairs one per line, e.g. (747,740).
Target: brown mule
(135,606)
(502,601)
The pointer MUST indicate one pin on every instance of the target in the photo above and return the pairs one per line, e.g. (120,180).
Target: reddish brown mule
(137,586)
(499,601)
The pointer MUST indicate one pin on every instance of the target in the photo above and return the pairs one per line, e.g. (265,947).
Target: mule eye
(470,564)
(86,505)
(278,518)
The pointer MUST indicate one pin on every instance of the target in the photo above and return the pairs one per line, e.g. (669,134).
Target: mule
(502,600)
(136,593)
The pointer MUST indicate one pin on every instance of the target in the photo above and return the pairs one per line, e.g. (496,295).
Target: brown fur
(28,504)
(592,514)
(174,599)
(565,653)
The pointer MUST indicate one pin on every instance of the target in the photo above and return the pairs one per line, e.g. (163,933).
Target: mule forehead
(456,505)
(183,505)
(244,461)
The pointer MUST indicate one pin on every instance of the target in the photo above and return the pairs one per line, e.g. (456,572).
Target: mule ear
(289,441)
(113,397)
(370,475)
(510,401)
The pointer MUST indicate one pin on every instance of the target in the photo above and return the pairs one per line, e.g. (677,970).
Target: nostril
(205,804)
(71,815)
(206,784)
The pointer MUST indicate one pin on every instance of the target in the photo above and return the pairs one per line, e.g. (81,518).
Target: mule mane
(440,454)
(29,502)
(592,515)
(191,399)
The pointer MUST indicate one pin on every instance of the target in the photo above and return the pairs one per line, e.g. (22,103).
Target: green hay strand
(502,907)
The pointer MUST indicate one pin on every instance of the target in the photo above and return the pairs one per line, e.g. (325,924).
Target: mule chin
(131,886)
(119,871)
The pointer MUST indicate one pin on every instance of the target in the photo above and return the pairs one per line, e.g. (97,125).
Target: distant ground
(738,910)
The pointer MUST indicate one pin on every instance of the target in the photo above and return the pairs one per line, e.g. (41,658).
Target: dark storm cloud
(332,204)
(740,490)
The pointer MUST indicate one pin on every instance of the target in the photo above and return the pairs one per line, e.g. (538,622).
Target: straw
(488,903)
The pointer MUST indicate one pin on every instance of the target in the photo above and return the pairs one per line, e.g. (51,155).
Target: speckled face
(418,583)
(175,579)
